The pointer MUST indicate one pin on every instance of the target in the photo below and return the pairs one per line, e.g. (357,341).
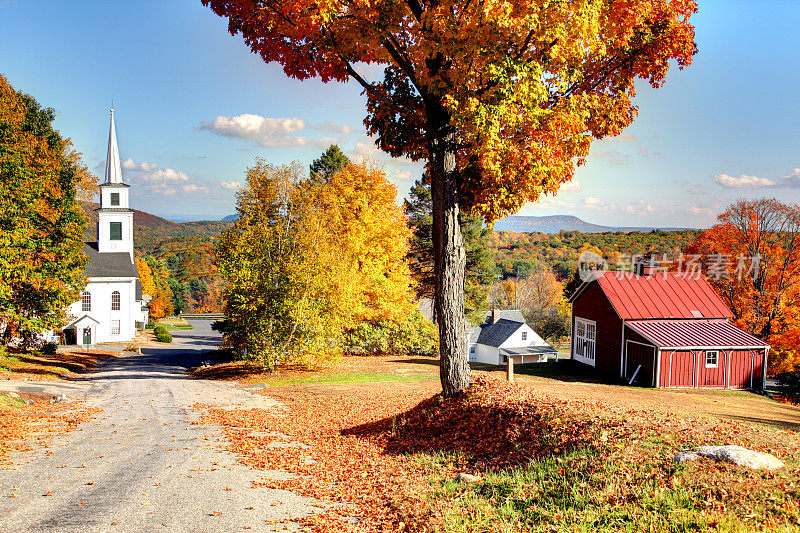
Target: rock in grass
(468,478)
(732,454)
(12,394)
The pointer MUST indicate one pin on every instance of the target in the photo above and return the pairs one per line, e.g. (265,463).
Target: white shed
(504,333)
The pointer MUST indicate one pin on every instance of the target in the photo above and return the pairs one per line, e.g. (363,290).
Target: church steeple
(115,217)
(113,167)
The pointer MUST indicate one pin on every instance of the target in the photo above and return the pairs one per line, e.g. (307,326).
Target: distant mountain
(558,223)
(230,218)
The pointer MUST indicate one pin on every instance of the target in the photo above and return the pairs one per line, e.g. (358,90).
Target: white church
(112,305)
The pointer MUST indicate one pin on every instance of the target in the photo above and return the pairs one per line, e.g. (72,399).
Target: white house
(504,333)
(112,303)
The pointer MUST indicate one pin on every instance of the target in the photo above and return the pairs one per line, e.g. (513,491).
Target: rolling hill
(558,223)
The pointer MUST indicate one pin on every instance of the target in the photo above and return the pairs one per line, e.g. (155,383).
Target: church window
(114,198)
(115,301)
(116,231)
(86,302)
(115,327)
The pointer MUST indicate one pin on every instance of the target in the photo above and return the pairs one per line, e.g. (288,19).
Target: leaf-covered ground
(24,426)
(391,457)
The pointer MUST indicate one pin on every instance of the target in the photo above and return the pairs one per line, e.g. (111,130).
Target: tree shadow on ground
(494,426)
(57,365)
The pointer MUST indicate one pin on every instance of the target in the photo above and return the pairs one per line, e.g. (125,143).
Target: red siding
(686,368)
(593,305)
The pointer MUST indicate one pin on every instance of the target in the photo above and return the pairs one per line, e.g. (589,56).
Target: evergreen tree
(480,261)
(41,221)
(329,163)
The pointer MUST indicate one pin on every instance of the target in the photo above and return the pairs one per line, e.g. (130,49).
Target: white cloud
(591,202)
(331,127)
(268,131)
(624,138)
(639,208)
(614,157)
(403,175)
(573,185)
(161,181)
(743,181)
(232,185)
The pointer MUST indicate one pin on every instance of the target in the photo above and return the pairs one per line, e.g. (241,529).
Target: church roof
(108,264)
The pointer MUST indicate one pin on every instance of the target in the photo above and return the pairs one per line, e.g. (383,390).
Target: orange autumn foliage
(752,258)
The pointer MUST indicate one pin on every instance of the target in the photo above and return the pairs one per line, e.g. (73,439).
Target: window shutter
(114,198)
(116,231)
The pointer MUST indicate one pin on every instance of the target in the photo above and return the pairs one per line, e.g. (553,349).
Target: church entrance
(87,336)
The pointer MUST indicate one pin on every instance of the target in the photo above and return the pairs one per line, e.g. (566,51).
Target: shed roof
(695,334)
(661,295)
(108,264)
(529,350)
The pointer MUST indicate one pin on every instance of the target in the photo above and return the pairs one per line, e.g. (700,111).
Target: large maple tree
(500,98)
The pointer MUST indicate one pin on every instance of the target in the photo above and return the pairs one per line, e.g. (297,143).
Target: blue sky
(194,108)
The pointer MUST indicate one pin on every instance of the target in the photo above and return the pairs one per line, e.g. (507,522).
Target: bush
(790,386)
(163,335)
(49,348)
(413,336)
(159,329)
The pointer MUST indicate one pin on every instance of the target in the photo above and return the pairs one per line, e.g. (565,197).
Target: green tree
(329,163)
(41,221)
(501,99)
(479,269)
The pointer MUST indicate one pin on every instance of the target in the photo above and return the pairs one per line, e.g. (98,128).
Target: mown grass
(175,323)
(603,488)
(38,366)
(8,401)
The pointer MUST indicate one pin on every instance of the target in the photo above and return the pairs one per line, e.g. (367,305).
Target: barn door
(585,343)
(639,356)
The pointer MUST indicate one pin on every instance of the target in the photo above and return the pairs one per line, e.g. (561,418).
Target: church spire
(113,167)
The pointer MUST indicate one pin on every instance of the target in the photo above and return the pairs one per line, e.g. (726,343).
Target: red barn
(663,330)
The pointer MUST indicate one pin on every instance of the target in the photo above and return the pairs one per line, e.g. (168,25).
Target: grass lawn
(175,323)
(555,452)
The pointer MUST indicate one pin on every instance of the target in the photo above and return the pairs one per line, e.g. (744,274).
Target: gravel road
(141,465)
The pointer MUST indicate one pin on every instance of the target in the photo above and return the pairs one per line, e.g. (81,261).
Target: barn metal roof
(694,334)
(661,295)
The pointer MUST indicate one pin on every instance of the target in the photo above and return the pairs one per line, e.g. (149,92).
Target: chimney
(495,315)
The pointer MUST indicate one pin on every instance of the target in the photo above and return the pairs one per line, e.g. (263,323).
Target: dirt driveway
(141,464)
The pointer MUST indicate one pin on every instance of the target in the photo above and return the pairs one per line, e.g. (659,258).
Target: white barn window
(584,344)
(115,301)
(86,302)
(115,327)
(712,359)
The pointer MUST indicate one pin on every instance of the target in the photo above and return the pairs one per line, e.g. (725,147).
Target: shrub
(159,329)
(790,386)
(415,335)
(163,336)
(49,348)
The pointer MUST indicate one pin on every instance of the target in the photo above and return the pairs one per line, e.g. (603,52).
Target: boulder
(732,454)
(468,478)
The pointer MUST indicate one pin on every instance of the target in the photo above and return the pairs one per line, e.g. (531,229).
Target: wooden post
(510,368)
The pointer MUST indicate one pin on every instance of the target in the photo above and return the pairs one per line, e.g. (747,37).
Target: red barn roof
(695,334)
(661,295)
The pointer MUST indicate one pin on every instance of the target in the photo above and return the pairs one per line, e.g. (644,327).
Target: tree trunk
(449,255)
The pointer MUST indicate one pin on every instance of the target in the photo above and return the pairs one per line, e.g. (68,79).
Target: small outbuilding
(663,329)
(504,334)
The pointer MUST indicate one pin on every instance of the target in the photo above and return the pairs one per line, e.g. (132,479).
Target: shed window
(115,301)
(86,302)
(711,359)
(524,335)
(472,349)
(115,230)
(115,327)
(114,198)
(584,343)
